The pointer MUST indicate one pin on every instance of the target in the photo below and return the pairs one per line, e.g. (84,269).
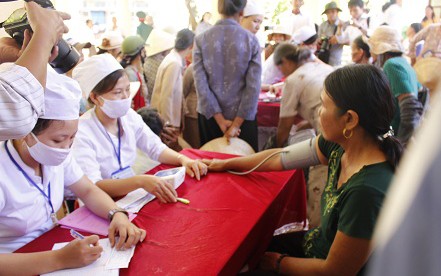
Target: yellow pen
(183,200)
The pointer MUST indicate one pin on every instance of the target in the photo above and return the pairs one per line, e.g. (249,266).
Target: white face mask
(116,108)
(46,155)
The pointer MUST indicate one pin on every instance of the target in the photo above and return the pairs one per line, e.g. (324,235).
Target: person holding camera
(22,84)
(331,49)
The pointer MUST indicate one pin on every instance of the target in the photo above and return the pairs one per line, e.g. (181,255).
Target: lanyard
(48,197)
(117,152)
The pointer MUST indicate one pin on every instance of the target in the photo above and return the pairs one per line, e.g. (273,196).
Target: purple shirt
(227,71)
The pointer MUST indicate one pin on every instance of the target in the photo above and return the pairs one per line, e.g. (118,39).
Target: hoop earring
(347,136)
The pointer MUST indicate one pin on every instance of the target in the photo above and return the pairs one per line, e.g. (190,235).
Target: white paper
(107,265)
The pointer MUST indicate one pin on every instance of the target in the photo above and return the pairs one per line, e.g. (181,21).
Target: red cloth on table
(228,223)
(268,114)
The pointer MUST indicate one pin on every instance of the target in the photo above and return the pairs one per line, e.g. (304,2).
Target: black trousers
(209,130)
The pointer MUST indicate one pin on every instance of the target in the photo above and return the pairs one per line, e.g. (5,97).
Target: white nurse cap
(253,8)
(93,70)
(61,97)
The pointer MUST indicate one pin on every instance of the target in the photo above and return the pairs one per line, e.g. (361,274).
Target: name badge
(123,173)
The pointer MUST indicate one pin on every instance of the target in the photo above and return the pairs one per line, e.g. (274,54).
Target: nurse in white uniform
(110,133)
(34,172)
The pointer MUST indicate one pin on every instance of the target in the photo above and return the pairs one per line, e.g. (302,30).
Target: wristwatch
(114,211)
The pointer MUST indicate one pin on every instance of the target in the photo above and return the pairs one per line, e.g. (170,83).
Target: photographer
(22,84)
(330,48)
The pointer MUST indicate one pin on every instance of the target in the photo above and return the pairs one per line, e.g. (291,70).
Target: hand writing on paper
(129,234)
(79,253)
(158,187)
(216,165)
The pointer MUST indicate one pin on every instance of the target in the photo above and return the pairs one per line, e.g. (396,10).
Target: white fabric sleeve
(300,155)
(72,171)
(85,155)
(21,101)
(147,141)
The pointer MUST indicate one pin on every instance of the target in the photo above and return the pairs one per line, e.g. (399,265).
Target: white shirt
(271,73)
(168,97)
(21,101)
(301,93)
(394,17)
(24,211)
(95,152)
(350,33)
(296,21)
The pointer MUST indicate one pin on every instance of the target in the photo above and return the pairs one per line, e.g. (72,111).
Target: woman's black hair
(230,7)
(107,84)
(203,16)
(151,118)
(296,54)
(433,13)
(416,27)
(362,45)
(365,90)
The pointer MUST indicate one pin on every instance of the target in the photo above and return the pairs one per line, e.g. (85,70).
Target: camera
(324,44)
(17,23)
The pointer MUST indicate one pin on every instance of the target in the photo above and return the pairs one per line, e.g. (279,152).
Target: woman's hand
(216,165)
(268,262)
(194,168)
(158,187)
(232,131)
(222,122)
(79,253)
(129,234)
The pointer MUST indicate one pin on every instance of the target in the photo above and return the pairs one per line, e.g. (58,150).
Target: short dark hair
(184,39)
(152,119)
(416,27)
(231,7)
(43,124)
(362,45)
(365,90)
(107,84)
(357,3)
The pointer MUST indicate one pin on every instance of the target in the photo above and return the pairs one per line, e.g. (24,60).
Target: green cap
(141,14)
(331,6)
(132,45)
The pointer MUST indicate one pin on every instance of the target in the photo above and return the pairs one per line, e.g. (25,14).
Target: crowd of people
(83,131)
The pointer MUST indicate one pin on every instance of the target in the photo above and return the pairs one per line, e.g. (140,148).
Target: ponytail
(393,149)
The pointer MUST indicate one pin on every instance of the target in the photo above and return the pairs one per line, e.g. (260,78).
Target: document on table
(109,263)
(82,219)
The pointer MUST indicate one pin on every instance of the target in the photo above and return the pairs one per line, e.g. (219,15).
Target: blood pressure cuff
(300,155)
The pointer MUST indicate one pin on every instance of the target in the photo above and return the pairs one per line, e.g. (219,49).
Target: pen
(76,235)
(183,200)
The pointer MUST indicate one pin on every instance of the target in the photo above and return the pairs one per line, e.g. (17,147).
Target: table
(228,223)
(268,114)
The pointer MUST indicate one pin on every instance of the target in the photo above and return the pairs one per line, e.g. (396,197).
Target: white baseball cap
(93,70)
(159,41)
(302,34)
(253,8)
(61,97)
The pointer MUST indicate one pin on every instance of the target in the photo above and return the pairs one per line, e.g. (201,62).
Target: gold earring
(347,136)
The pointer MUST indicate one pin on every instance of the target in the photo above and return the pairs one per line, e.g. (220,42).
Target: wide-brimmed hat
(280,29)
(427,70)
(159,41)
(384,39)
(331,6)
(111,40)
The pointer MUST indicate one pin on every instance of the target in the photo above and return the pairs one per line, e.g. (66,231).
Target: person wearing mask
(328,40)
(301,92)
(360,52)
(227,72)
(205,23)
(143,29)
(111,43)
(35,170)
(361,153)
(22,83)
(430,17)
(110,133)
(159,44)
(252,16)
(168,97)
(133,56)
(387,53)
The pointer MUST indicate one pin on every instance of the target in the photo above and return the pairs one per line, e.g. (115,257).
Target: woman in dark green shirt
(361,153)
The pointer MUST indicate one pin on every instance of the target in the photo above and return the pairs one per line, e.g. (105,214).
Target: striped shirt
(21,101)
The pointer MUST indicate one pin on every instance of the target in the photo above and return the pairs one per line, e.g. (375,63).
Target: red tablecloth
(228,223)
(268,114)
